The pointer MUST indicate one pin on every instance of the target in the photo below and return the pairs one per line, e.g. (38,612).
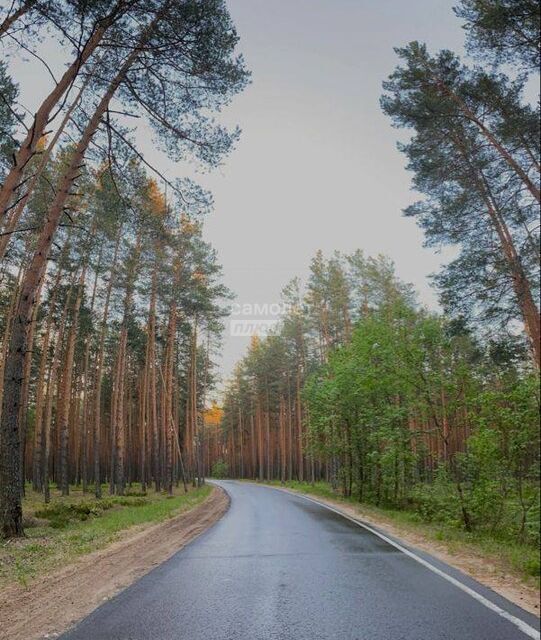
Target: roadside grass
(514,558)
(58,533)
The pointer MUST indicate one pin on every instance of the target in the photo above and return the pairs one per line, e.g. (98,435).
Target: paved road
(279,567)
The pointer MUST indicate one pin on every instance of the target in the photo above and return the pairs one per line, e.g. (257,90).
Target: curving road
(280,567)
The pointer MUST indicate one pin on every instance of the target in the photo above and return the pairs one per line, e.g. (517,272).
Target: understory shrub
(220,469)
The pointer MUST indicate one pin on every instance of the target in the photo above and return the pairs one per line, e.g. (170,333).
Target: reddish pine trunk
(168,396)
(152,386)
(41,119)
(14,218)
(99,371)
(521,284)
(37,476)
(86,384)
(53,378)
(64,408)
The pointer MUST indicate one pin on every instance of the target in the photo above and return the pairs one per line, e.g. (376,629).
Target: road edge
(58,601)
(413,553)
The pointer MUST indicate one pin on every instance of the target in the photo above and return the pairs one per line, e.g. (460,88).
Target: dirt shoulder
(56,601)
(478,567)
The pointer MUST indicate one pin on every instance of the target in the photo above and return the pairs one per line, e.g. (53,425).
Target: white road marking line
(523,626)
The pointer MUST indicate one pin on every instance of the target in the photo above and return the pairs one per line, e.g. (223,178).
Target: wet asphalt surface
(278,567)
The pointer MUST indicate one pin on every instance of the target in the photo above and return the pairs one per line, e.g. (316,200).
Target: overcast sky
(317,165)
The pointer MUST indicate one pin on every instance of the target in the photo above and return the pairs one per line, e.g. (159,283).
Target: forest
(368,462)
(111,301)
(362,387)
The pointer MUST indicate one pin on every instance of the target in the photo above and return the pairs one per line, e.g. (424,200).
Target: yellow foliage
(156,198)
(213,415)
(187,226)
(42,143)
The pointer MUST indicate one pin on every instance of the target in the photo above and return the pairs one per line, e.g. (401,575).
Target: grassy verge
(58,533)
(514,558)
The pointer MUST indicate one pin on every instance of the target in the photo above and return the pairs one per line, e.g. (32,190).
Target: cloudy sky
(317,165)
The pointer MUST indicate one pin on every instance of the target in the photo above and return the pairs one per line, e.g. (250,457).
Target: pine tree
(476,197)
(503,31)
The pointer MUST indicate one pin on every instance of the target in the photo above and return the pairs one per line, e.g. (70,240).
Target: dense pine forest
(343,454)
(362,387)
(111,300)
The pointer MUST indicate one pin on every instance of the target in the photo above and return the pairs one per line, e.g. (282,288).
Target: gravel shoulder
(56,601)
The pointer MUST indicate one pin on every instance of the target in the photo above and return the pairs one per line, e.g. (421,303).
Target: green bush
(532,567)
(533,522)
(60,514)
(220,469)
(437,502)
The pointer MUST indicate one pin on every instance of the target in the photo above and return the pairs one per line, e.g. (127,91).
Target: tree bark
(17,212)
(10,507)
(117,413)
(152,388)
(37,475)
(25,388)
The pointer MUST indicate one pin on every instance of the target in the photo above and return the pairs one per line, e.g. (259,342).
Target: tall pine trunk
(67,375)
(53,383)
(99,370)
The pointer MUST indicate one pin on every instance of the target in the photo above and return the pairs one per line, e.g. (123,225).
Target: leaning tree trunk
(9,20)
(36,131)
(520,281)
(11,224)
(489,136)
